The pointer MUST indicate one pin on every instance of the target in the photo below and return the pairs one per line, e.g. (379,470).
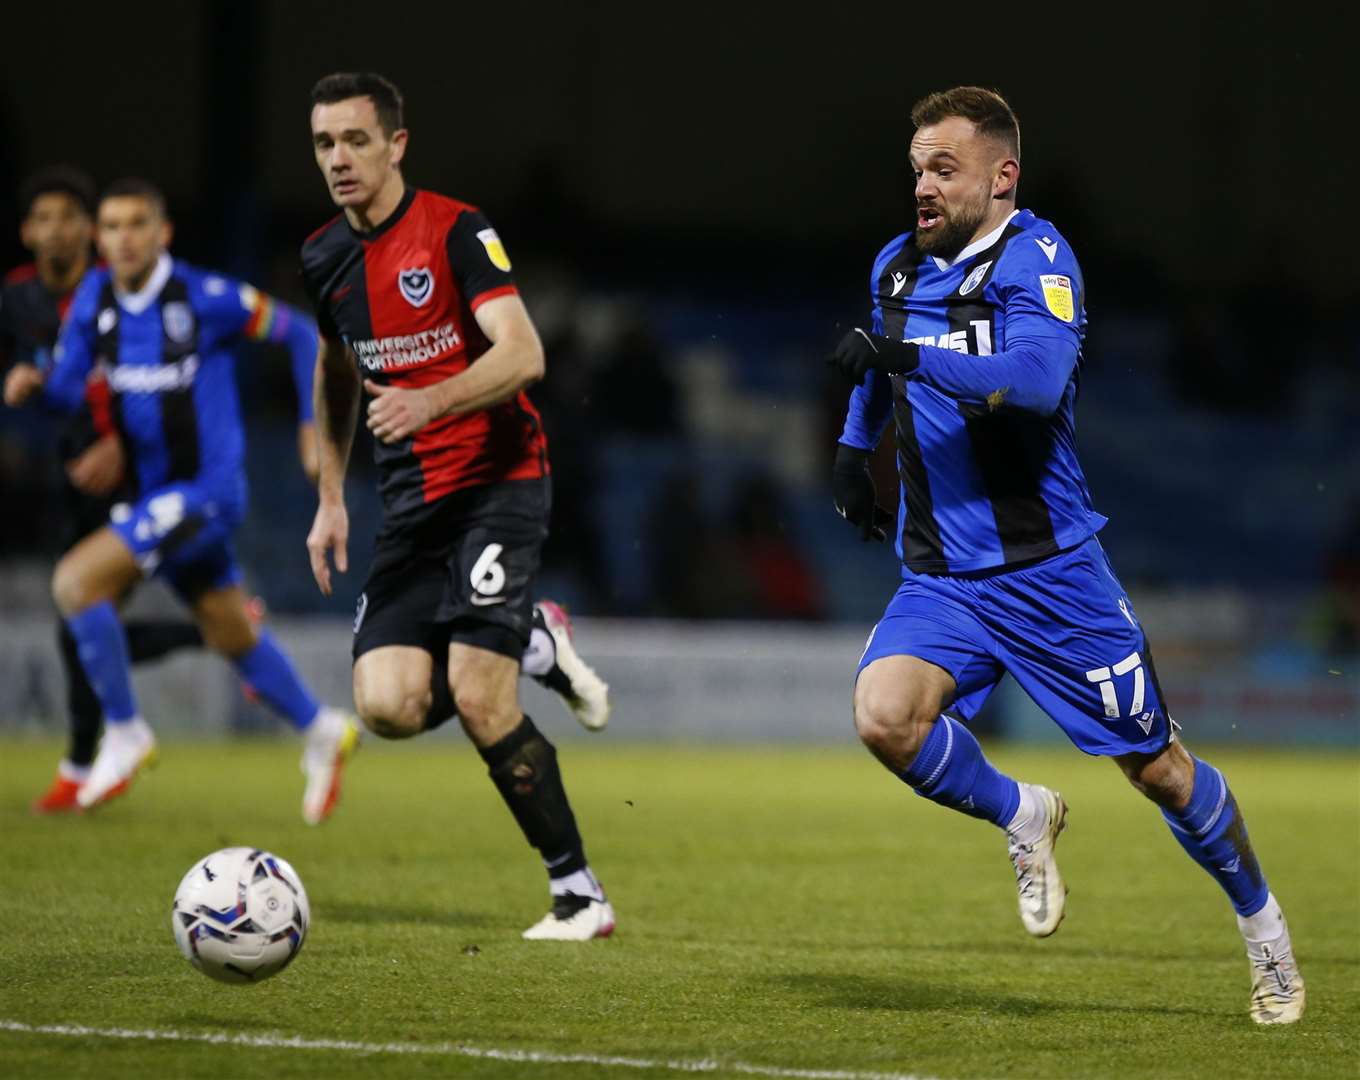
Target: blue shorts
(182,532)
(1063,628)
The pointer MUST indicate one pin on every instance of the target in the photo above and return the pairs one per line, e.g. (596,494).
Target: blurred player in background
(57,228)
(974,351)
(417,306)
(162,331)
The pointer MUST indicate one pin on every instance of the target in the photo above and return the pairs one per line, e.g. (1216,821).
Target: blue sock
(275,679)
(949,769)
(101,644)
(1213,834)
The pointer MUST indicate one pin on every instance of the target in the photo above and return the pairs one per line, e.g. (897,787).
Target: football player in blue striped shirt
(974,353)
(163,334)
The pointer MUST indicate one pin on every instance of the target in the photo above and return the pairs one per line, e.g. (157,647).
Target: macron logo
(899,280)
(1048,247)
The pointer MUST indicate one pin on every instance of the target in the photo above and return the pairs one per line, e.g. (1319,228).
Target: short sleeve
(478,259)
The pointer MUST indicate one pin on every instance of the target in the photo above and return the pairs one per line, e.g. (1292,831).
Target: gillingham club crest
(416,285)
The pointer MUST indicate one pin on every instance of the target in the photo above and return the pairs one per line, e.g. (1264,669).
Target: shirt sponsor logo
(957,340)
(973,280)
(153,378)
(178,320)
(407,350)
(416,284)
(495,250)
(1058,295)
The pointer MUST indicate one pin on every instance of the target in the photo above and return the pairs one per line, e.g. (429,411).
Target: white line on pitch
(529,1057)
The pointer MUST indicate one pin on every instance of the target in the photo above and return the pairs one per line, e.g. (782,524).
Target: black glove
(853,490)
(860,352)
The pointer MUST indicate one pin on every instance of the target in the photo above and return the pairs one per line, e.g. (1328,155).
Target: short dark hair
(987,109)
(383,92)
(134,187)
(58,180)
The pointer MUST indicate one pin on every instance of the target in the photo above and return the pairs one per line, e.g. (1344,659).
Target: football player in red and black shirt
(417,306)
(57,228)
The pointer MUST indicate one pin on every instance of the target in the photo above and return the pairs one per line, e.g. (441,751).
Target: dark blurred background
(692,196)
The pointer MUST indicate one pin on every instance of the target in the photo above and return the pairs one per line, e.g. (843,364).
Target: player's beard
(955,231)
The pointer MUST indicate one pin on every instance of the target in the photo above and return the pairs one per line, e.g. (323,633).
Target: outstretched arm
(336,404)
(267,319)
(514,362)
(1030,374)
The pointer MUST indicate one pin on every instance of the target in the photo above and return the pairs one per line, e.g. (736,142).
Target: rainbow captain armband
(266,321)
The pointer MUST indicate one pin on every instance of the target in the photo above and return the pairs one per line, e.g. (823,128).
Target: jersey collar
(407,198)
(136,302)
(977,245)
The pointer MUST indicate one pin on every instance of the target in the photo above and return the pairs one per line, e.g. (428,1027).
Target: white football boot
(575,681)
(573,918)
(124,751)
(331,742)
(1277,994)
(1043,896)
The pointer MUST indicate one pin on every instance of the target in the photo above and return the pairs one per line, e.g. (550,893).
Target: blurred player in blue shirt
(161,333)
(57,227)
(974,352)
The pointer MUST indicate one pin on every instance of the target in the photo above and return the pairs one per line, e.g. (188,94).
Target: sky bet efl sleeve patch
(1058,295)
(495,250)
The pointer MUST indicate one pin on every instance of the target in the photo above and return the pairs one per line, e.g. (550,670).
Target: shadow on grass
(910,995)
(387,914)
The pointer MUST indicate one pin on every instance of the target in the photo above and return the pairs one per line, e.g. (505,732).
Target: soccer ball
(240,915)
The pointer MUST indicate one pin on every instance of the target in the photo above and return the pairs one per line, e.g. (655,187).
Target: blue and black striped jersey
(985,425)
(167,353)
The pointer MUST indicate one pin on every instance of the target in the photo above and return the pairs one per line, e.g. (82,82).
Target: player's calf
(1204,818)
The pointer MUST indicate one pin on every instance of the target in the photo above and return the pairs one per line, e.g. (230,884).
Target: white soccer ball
(240,915)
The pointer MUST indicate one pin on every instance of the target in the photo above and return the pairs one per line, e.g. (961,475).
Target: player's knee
(1167,778)
(391,712)
(890,725)
(71,587)
(483,710)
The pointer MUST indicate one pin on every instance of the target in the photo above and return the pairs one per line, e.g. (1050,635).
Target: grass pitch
(779,910)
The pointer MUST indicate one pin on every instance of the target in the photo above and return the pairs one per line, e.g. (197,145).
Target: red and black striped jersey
(30,321)
(402,298)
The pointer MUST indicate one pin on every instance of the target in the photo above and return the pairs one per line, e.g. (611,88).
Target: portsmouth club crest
(416,285)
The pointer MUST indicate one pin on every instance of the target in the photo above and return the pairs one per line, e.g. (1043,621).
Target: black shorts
(464,572)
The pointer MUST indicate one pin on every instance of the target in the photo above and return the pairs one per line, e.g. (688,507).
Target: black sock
(149,640)
(86,715)
(523,766)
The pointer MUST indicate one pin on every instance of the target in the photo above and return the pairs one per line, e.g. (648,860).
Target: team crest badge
(495,250)
(973,280)
(178,320)
(416,284)
(1058,295)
